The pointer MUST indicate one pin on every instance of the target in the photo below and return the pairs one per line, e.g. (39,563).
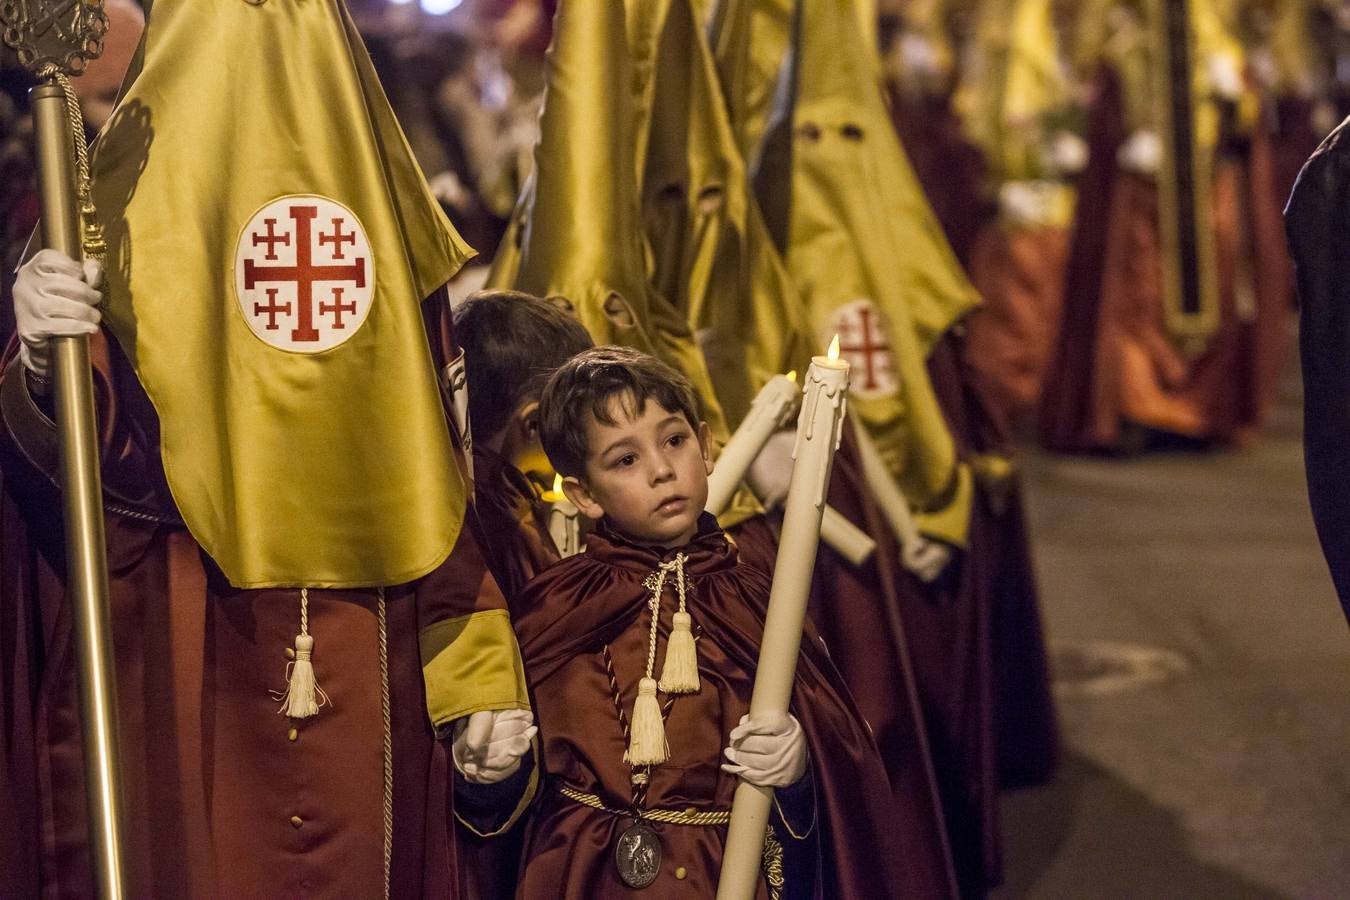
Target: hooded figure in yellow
(312,450)
(711,254)
(576,235)
(296,611)
(1017,105)
(867,254)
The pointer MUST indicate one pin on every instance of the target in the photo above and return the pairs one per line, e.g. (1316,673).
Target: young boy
(635,712)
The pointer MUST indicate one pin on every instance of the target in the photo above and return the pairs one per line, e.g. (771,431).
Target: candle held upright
(769,412)
(564,521)
(818,430)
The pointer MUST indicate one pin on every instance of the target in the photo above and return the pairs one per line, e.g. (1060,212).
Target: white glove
(919,54)
(767,752)
(1225,75)
(54,296)
(1022,202)
(1141,153)
(770,474)
(488,745)
(1068,153)
(926,558)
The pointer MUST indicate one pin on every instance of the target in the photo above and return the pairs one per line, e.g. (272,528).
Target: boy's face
(648,473)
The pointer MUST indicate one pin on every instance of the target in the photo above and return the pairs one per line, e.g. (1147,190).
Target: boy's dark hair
(584,386)
(512,343)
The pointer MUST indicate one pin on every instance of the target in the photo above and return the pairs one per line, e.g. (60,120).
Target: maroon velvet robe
(598,598)
(212,775)
(517,547)
(1019,273)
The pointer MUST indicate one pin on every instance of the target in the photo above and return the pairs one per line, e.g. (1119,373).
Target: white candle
(915,549)
(818,430)
(770,411)
(564,520)
(845,538)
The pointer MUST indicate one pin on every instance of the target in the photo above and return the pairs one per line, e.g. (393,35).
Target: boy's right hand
(769,751)
(488,745)
(54,296)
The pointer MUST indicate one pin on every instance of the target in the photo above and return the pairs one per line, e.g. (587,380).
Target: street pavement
(1223,770)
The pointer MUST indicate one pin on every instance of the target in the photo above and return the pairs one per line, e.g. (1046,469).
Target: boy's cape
(589,599)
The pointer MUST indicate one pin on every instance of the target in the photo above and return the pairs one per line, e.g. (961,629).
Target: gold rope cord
(664,816)
(92,232)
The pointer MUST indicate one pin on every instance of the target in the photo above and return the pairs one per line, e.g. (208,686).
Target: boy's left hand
(769,751)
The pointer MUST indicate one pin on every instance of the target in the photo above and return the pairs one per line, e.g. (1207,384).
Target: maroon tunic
(598,598)
(1019,273)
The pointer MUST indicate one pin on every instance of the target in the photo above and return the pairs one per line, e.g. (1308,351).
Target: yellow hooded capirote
(290,468)
(576,233)
(711,254)
(864,249)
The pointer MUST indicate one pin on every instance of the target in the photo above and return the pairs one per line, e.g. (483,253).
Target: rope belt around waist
(664,816)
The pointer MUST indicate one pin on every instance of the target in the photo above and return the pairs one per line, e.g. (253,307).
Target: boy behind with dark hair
(635,713)
(512,343)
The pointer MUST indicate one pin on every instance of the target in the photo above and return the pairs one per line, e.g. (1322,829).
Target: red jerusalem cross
(271,239)
(337,308)
(870,344)
(272,309)
(337,239)
(304,273)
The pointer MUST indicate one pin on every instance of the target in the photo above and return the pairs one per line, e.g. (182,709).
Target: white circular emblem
(865,344)
(304,274)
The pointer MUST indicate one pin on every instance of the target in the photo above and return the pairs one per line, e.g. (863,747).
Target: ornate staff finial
(54,34)
(55,39)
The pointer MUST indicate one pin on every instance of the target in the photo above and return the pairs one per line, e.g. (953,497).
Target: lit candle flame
(792,376)
(557,483)
(833,353)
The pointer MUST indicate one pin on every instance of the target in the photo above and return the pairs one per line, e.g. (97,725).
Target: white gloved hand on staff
(54,296)
(771,472)
(926,558)
(488,744)
(769,751)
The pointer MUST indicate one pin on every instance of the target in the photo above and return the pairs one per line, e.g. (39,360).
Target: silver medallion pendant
(637,856)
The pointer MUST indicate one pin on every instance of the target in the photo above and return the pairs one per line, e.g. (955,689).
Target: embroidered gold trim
(773,864)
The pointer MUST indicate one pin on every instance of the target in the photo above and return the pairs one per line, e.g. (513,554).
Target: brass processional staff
(54,39)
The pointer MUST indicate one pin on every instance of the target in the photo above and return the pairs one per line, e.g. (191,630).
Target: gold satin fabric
(711,254)
(471,663)
(1013,84)
(333,469)
(577,231)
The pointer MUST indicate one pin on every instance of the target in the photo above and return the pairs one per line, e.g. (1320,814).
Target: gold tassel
(647,745)
(679,673)
(303,696)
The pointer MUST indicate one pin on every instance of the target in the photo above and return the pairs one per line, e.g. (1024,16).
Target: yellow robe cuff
(471,663)
(950,522)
